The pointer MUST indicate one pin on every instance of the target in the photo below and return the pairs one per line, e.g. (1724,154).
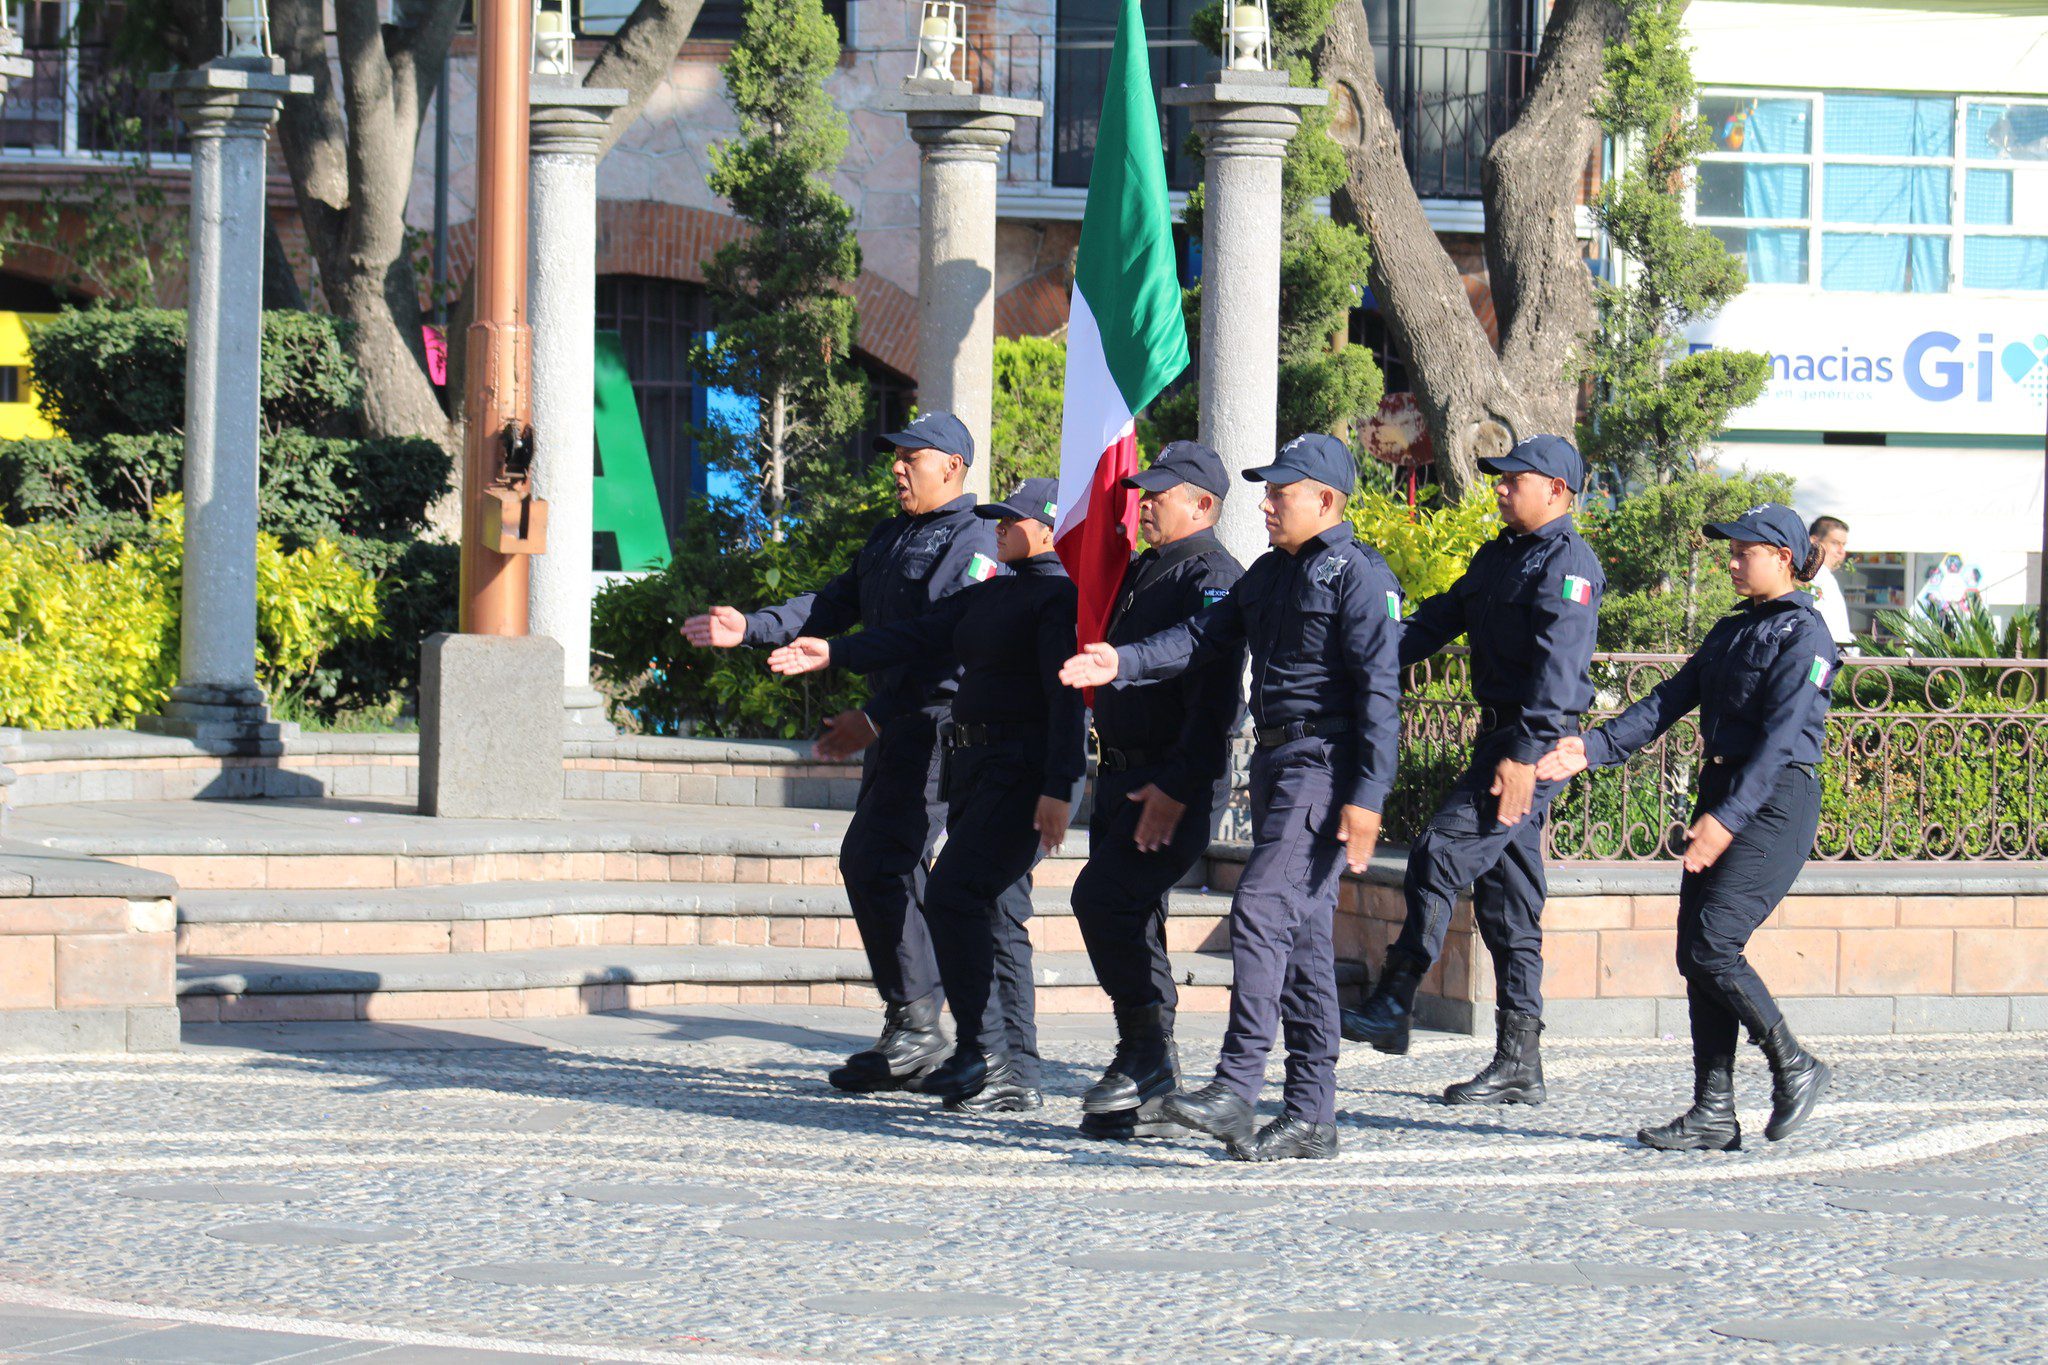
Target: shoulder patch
(1393,606)
(1577,589)
(1211,596)
(980,568)
(1819,671)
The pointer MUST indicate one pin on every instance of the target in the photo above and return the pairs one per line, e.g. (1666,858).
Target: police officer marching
(1528,606)
(1017,754)
(1319,612)
(1161,781)
(936,547)
(1760,681)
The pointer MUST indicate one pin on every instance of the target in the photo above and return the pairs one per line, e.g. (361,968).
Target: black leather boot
(966,1073)
(1710,1125)
(1797,1080)
(1215,1109)
(1144,1068)
(999,1096)
(1288,1138)
(1148,1120)
(1390,1009)
(912,1043)
(1515,1075)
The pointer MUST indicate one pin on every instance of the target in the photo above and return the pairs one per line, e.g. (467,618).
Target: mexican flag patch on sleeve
(1817,673)
(980,568)
(1576,589)
(1393,606)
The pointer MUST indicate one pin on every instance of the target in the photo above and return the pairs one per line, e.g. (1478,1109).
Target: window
(1455,74)
(1878,193)
(77,104)
(717,21)
(1087,31)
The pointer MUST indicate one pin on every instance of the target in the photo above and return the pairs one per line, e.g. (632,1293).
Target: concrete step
(560,981)
(516,916)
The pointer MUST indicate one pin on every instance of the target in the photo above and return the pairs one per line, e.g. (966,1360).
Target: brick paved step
(522,916)
(561,981)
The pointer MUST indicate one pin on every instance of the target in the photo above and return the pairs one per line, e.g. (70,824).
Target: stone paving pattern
(663,1186)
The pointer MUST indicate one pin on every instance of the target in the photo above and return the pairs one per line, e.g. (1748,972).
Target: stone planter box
(87,955)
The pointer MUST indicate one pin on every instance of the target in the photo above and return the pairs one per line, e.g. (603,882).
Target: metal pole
(493,599)
(2041,586)
(441,203)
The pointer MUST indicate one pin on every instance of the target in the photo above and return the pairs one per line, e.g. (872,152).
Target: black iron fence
(78,104)
(1939,760)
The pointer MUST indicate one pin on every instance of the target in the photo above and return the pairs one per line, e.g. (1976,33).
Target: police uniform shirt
(1761,680)
(1184,723)
(1321,624)
(1010,636)
(907,564)
(1530,607)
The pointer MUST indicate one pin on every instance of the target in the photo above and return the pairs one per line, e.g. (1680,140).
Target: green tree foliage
(782,325)
(1429,546)
(1030,393)
(1325,385)
(1653,405)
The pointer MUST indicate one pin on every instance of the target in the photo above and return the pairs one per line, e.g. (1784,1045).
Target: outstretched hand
(1094,666)
(719,628)
(801,655)
(1567,760)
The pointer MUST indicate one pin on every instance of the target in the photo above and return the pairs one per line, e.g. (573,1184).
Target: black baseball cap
(1770,523)
(1035,500)
(1314,456)
(1551,456)
(1183,462)
(931,431)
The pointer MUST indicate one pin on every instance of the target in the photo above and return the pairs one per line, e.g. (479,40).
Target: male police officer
(935,548)
(1529,605)
(1320,612)
(1162,780)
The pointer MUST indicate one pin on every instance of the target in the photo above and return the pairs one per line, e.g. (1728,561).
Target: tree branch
(639,56)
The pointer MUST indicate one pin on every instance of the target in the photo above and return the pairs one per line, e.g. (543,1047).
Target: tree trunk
(1541,289)
(639,56)
(778,459)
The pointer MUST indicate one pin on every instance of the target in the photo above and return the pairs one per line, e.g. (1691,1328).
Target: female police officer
(1017,752)
(1760,681)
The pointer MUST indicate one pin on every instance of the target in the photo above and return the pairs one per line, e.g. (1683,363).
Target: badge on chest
(1326,572)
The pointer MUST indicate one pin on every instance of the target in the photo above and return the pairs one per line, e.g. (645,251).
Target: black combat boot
(966,1073)
(1797,1080)
(1145,1066)
(1148,1120)
(912,1043)
(1710,1125)
(1288,1138)
(999,1096)
(1390,1009)
(1215,1109)
(1515,1075)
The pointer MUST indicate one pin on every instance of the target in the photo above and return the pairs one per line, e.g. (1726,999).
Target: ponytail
(1805,572)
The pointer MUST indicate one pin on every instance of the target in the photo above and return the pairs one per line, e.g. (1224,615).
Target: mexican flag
(1125,338)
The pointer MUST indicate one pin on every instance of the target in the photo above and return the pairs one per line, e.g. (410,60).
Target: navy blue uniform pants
(888,846)
(978,900)
(1464,845)
(1283,959)
(1719,909)
(1121,896)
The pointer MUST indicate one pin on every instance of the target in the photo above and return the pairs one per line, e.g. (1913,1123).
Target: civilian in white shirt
(1831,536)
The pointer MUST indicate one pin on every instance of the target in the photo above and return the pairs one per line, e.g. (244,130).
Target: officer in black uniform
(1321,613)
(934,549)
(1017,751)
(1529,607)
(1761,681)
(1161,782)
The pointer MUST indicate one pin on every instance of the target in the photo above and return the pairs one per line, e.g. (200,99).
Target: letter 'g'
(1939,380)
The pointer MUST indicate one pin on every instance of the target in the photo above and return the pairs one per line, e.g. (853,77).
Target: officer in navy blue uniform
(1017,751)
(1761,682)
(1321,614)
(934,549)
(1529,607)
(1161,781)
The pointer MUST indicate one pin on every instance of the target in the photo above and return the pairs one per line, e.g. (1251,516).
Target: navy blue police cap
(1551,456)
(1770,523)
(1183,462)
(1314,456)
(1035,500)
(940,431)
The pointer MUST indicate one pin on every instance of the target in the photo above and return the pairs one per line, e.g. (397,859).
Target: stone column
(567,136)
(229,107)
(1245,120)
(962,136)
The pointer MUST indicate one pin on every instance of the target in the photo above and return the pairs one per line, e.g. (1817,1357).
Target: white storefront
(1883,170)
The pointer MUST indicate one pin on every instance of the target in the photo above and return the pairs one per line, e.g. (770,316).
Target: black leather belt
(1123,760)
(1493,718)
(1731,761)
(1270,735)
(974,736)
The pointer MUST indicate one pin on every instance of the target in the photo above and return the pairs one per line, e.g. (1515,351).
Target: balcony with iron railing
(80,107)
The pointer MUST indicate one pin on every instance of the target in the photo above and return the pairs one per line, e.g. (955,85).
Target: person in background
(1830,535)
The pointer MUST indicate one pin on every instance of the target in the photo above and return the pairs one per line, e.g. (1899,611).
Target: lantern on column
(939,38)
(554,39)
(1248,37)
(244,29)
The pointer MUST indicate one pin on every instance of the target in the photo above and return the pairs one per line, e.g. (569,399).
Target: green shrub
(1030,393)
(1428,547)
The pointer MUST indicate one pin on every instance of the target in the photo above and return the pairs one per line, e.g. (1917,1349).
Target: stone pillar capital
(232,97)
(570,119)
(952,123)
(1245,113)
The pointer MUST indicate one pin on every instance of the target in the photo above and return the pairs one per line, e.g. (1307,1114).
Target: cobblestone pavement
(684,1186)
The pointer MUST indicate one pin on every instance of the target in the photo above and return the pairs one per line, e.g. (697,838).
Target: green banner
(625,503)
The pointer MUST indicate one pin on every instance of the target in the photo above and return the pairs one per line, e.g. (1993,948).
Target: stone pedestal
(490,727)
(1245,120)
(567,136)
(962,136)
(229,107)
